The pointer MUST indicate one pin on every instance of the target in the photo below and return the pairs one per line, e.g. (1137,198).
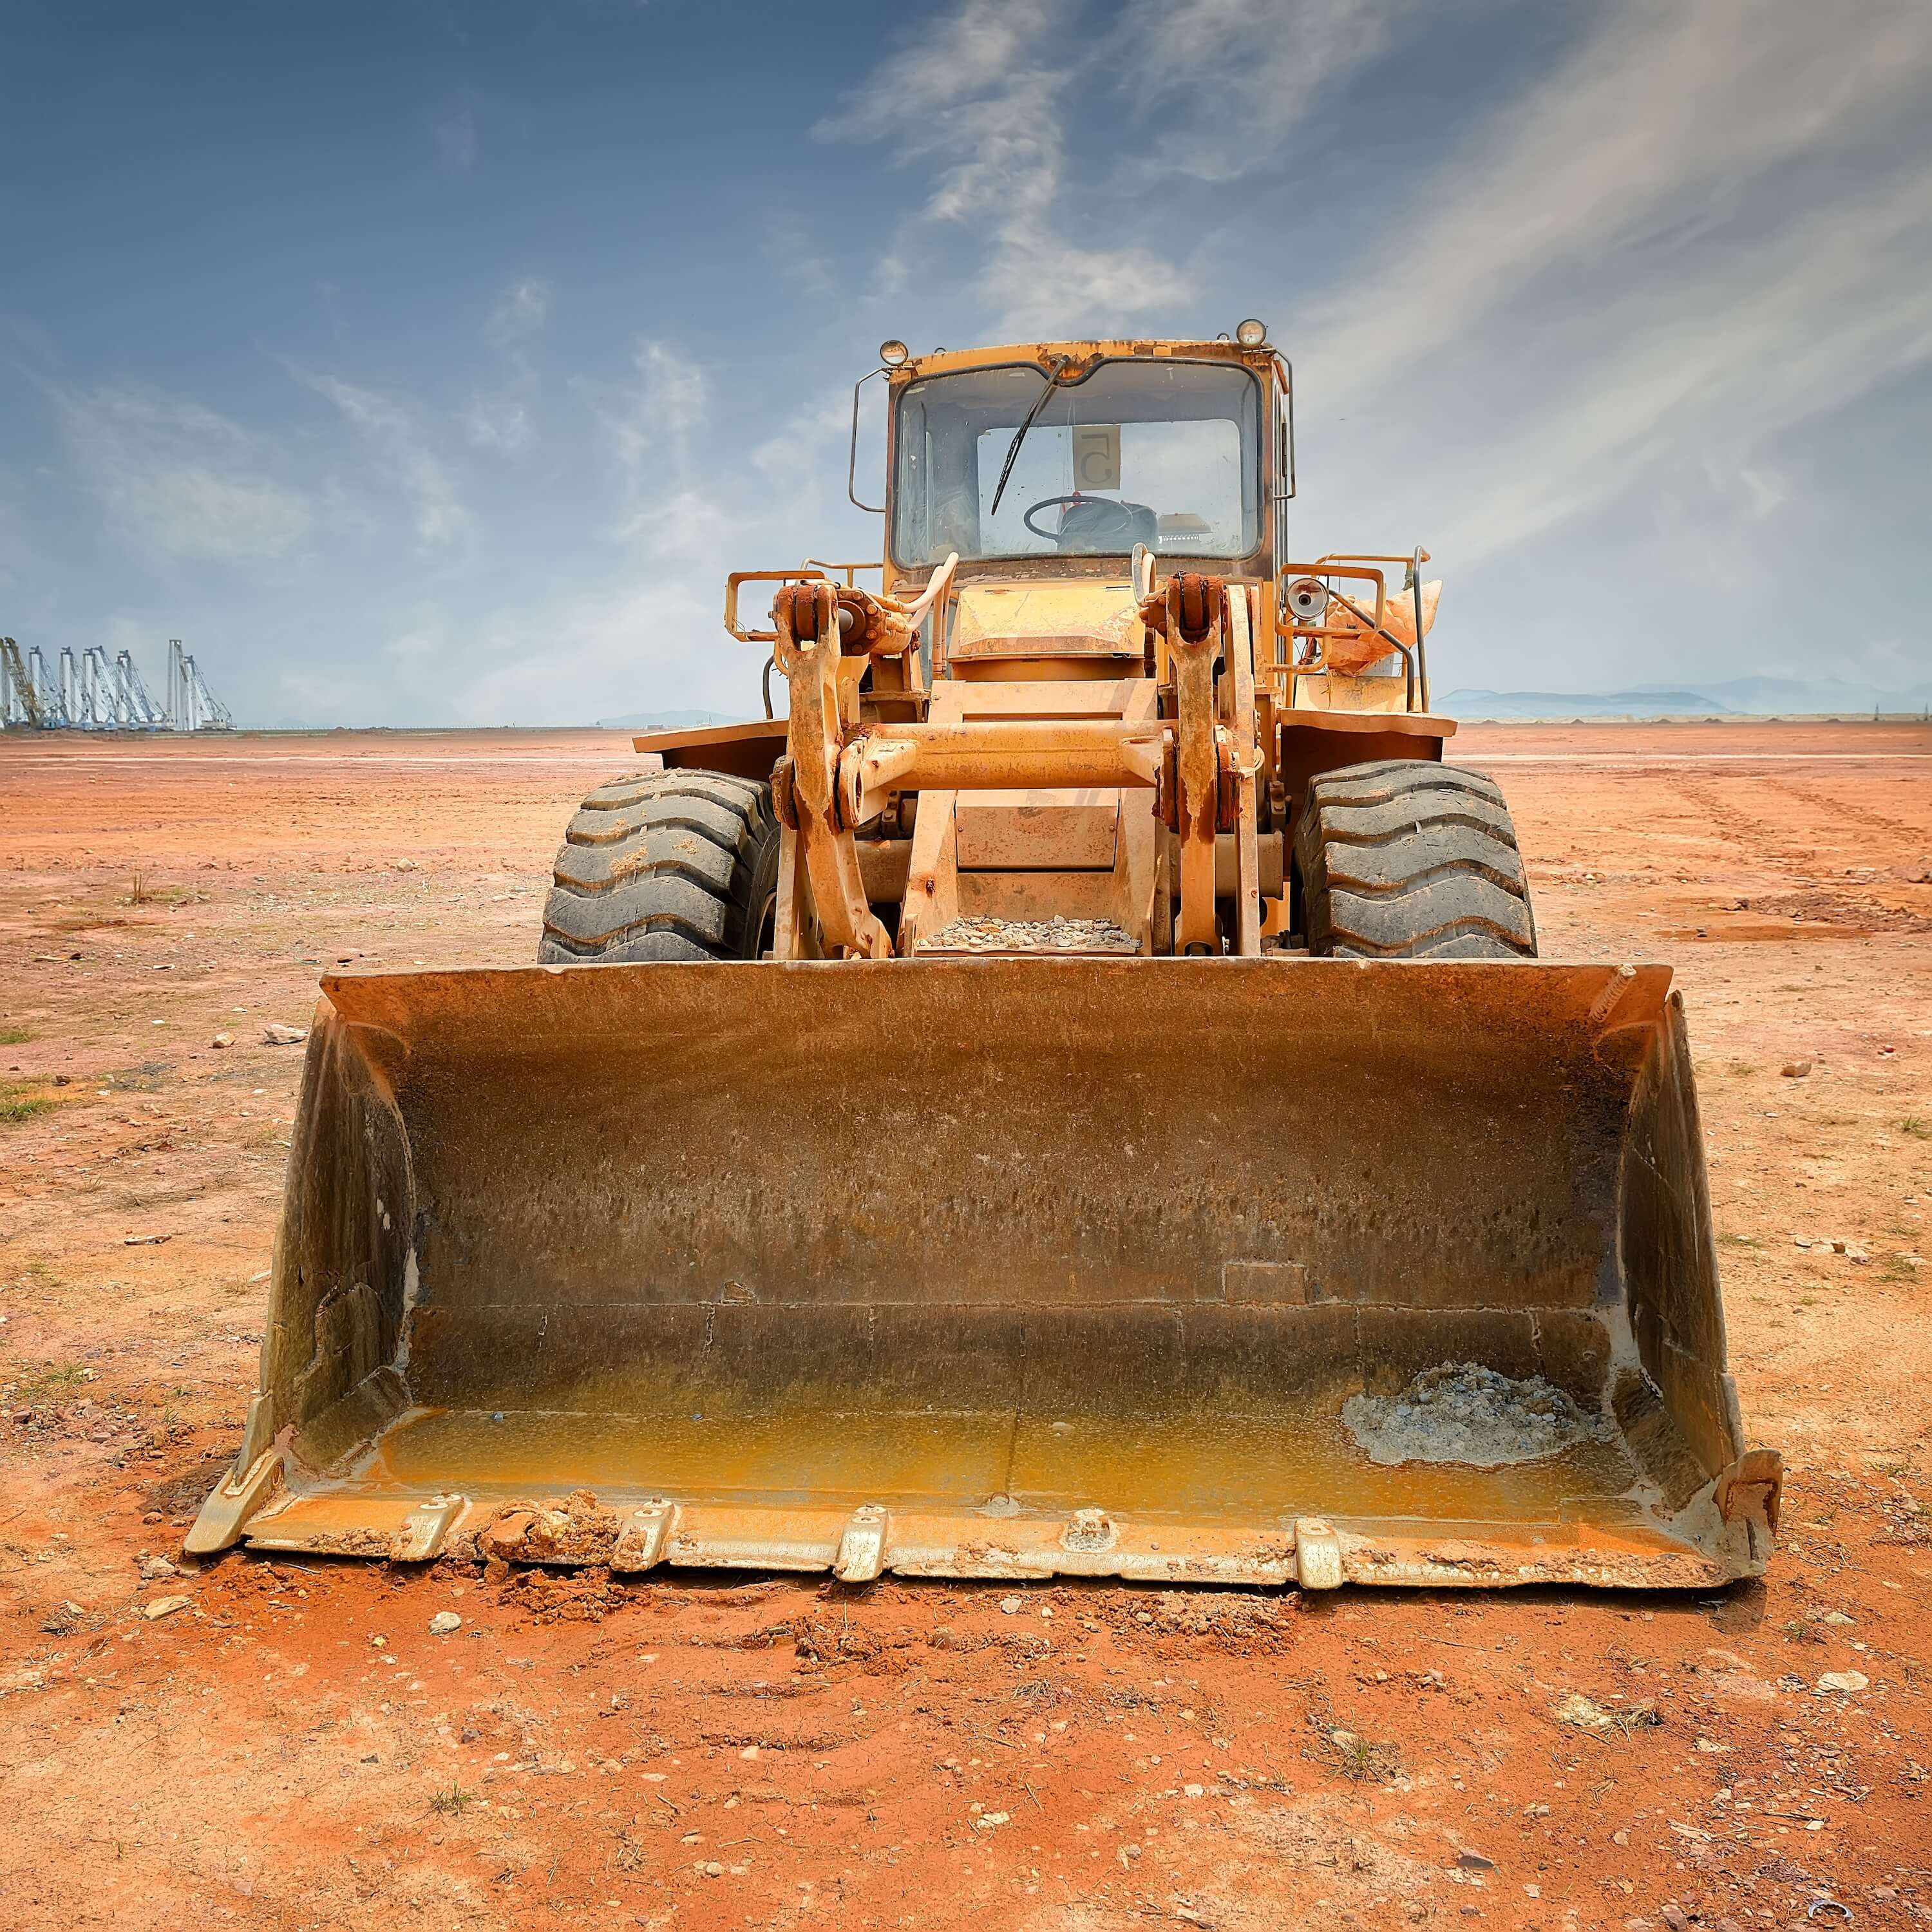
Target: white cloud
(499,423)
(179,481)
(1644,142)
(518,312)
(647,425)
(454,136)
(403,453)
(1224,83)
(1654,263)
(979,93)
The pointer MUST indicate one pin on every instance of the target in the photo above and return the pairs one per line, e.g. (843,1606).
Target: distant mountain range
(1735,698)
(663,721)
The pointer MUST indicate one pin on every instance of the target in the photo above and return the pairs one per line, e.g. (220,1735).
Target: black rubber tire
(679,865)
(1408,860)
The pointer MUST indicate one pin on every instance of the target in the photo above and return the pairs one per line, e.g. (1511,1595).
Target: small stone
(404,866)
(1795,1069)
(1853,1252)
(711,1869)
(990,1821)
(1474,1862)
(1844,1680)
(1675,1917)
(275,1034)
(223,1039)
(166,1606)
(153,1568)
(443,1622)
(1834,1617)
(1012,1606)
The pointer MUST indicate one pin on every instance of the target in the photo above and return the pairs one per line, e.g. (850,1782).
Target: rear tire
(679,865)
(1405,859)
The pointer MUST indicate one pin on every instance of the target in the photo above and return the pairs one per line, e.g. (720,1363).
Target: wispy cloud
(453,137)
(1224,84)
(646,425)
(980,94)
(179,481)
(1648,264)
(500,418)
(403,455)
(519,313)
(500,423)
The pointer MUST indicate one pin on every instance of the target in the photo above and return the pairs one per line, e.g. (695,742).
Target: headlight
(1307,598)
(892,354)
(1251,333)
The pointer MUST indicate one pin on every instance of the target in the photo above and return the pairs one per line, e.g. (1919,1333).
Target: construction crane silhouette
(86,692)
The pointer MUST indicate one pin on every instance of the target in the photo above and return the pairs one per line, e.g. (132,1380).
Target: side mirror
(852,463)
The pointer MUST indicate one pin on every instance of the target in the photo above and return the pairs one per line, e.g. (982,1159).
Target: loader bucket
(1000,1267)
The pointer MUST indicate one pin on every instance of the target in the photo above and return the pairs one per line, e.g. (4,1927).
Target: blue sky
(421,363)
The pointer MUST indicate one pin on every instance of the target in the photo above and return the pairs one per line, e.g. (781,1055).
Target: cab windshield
(1165,453)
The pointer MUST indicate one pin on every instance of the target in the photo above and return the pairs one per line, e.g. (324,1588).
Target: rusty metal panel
(1025,831)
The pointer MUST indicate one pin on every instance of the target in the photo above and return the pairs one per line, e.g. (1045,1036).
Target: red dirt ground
(293,1748)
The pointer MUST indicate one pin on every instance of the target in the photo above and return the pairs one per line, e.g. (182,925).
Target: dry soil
(292,1746)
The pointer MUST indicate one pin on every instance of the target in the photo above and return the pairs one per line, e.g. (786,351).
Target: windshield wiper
(1019,435)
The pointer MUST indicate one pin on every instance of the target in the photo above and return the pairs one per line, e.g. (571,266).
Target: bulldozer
(1073,1093)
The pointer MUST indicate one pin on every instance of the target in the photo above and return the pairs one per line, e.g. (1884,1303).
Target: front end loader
(1075,1094)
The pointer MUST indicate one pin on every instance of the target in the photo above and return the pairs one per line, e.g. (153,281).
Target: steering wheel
(1122,522)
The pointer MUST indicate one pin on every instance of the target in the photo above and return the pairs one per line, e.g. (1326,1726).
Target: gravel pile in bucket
(1026,935)
(1465,1413)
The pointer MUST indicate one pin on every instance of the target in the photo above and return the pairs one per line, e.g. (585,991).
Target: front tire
(1405,859)
(678,865)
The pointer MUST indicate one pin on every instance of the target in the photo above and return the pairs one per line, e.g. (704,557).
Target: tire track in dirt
(1828,809)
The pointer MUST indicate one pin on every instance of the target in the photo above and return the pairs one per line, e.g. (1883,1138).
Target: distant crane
(134,707)
(19,694)
(192,706)
(85,692)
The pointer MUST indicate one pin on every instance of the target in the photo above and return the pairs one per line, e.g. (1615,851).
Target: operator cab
(1054,457)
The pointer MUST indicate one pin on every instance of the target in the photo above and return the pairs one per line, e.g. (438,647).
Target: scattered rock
(443,1622)
(223,1039)
(1844,1680)
(1795,1069)
(1587,1715)
(1012,1606)
(990,1821)
(1835,1617)
(144,1240)
(1474,1862)
(404,866)
(275,1034)
(153,1568)
(165,1606)
(1675,1917)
